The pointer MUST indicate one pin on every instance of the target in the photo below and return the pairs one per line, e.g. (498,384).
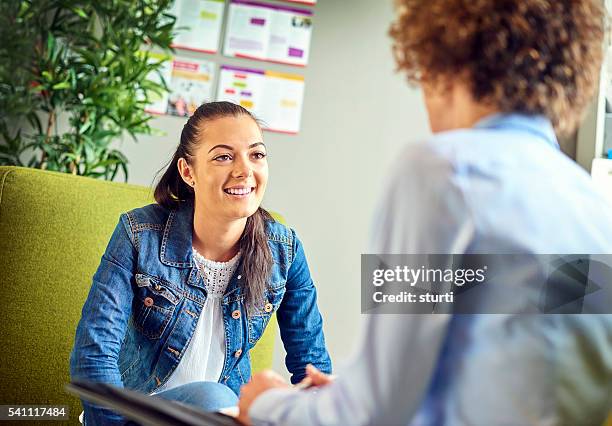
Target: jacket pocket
(129,362)
(154,305)
(258,320)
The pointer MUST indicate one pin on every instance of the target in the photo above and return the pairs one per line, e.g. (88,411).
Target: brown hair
(171,191)
(529,56)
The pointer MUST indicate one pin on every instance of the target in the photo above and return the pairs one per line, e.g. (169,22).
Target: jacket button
(268,307)
(238,353)
(239,276)
(148,301)
(236,314)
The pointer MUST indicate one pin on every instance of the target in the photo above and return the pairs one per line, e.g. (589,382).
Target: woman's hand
(316,377)
(260,382)
(268,379)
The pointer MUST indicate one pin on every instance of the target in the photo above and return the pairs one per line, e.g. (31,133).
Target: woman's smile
(239,191)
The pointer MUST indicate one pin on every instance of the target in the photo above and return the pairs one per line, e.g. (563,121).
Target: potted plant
(73,80)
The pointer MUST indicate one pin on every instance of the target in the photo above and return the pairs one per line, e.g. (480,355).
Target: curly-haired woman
(187,286)
(499,77)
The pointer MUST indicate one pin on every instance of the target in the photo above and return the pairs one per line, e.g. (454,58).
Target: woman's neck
(214,237)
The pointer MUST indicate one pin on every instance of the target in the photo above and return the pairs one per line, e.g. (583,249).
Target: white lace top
(205,354)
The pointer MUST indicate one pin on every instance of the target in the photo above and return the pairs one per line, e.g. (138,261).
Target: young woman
(187,286)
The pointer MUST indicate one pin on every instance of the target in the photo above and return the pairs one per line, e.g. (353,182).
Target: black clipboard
(146,409)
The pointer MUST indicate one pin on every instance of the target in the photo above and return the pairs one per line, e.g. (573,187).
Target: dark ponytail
(256,257)
(171,191)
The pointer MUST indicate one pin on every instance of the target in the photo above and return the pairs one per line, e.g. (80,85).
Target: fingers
(260,382)
(304,384)
(317,377)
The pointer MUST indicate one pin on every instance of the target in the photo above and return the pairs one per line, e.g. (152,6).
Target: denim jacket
(125,341)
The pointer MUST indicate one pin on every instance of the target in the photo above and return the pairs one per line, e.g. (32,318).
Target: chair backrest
(54,228)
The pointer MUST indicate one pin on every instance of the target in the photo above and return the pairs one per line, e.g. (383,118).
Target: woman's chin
(243,213)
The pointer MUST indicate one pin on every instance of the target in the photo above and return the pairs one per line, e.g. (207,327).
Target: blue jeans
(207,396)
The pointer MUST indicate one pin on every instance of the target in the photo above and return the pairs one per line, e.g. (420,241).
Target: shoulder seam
(285,238)
(141,216)
(133,229)
(146,226)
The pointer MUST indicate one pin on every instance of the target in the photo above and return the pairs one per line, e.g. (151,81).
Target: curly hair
(528,56)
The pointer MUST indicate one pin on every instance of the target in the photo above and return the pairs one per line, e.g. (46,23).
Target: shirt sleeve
(383,384)
(423,211)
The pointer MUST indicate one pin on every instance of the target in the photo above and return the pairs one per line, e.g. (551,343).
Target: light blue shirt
(502,186)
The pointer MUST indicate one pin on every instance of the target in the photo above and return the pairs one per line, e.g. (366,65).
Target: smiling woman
(187,286)
(221,164)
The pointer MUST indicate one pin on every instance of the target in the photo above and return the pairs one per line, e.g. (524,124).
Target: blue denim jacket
(122,341)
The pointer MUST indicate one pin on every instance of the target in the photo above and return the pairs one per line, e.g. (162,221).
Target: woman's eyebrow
(221,146)
(231,149)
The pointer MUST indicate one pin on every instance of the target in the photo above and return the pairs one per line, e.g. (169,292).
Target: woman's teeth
(238,191)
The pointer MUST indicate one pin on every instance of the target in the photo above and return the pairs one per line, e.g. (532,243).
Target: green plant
(73,80)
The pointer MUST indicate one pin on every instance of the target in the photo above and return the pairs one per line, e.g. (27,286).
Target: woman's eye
(259,155)
(223,157)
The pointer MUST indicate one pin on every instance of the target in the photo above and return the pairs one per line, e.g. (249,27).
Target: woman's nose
(242,169)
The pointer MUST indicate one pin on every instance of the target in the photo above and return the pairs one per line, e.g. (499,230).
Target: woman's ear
(185,171)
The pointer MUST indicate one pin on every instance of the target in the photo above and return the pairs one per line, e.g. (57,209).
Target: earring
(192,183)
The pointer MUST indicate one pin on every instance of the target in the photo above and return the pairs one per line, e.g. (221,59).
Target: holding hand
(314,377)
(268,379)
(260,382)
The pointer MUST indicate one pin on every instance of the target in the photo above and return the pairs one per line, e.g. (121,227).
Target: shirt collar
(537,125)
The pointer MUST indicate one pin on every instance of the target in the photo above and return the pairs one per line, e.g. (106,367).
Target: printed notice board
(268,32)
(199,24)
(275,98)
(190,86)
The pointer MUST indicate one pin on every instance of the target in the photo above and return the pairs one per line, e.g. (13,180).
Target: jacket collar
(178,237)
(176,248)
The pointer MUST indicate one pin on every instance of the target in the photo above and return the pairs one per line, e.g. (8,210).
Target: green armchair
(54,228)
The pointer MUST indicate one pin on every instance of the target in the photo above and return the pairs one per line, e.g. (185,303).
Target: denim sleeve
(299,319)
(104,318)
